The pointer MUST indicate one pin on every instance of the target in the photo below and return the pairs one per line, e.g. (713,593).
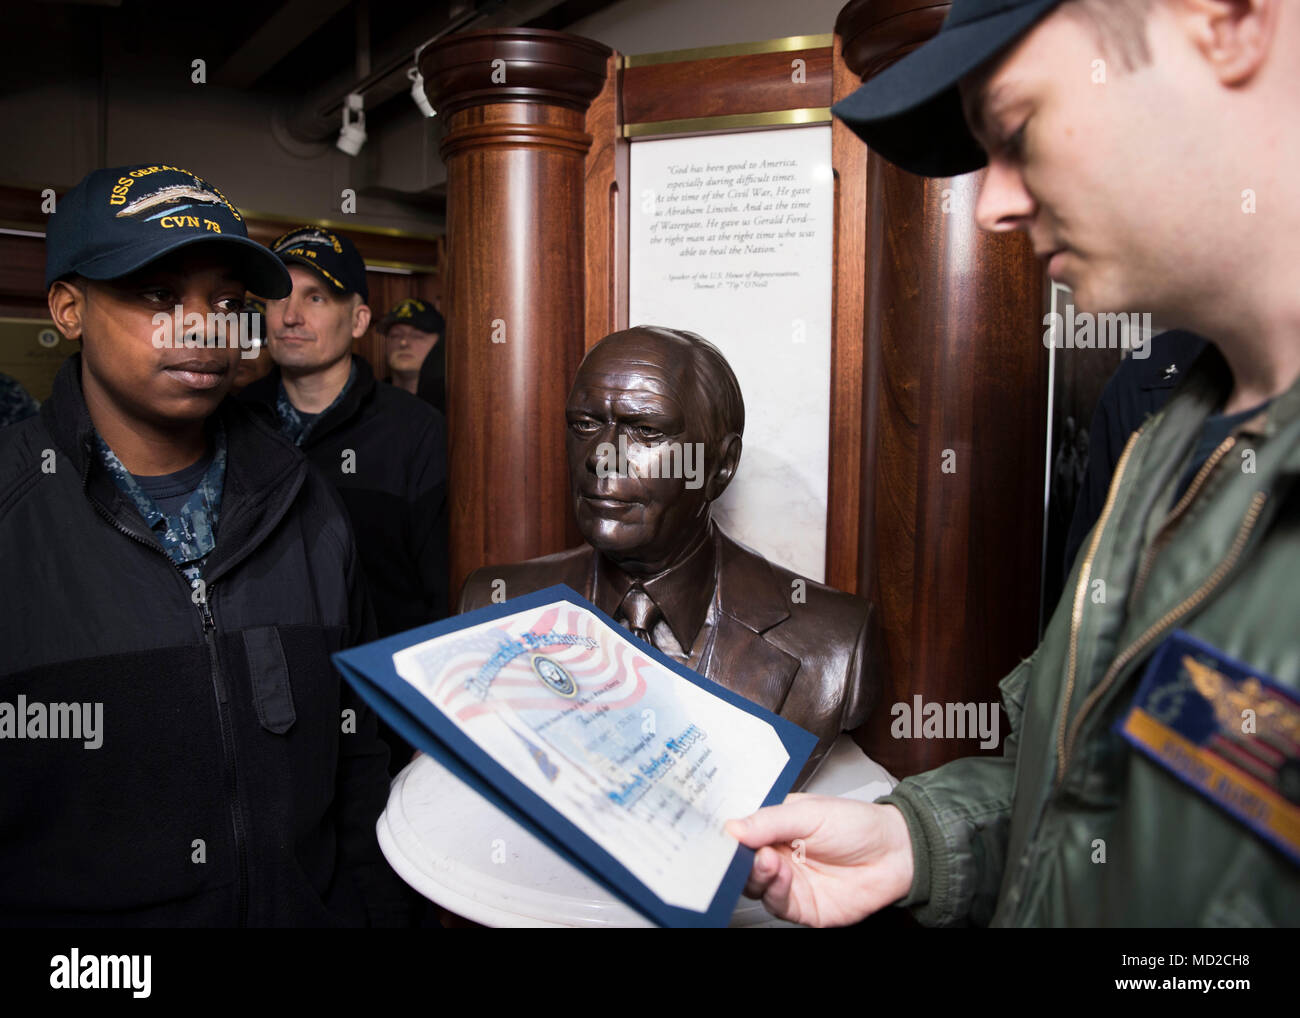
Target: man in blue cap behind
(176,747)
(413,332)
(1152,773)
(383,449)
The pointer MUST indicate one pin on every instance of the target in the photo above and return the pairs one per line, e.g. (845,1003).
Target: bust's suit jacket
(807,654)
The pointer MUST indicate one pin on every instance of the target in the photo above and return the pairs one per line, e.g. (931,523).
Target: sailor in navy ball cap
(911,112)
(384,449)
(1147,149)
(331,256)
(412,333)
(118,220)
(176,564)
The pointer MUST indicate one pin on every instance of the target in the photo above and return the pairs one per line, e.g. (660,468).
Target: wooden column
(954,379)
(513,104)
(845,479)
(607,210)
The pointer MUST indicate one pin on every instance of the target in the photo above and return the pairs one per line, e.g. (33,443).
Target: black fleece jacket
(239,779)
(385,450)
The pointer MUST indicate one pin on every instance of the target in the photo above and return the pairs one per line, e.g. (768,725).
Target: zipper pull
(209,623)
(209,629)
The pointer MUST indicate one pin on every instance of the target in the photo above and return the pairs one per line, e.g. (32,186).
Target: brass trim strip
(730,122)
(38,230)
(336,224)
(409,266)
(788,44)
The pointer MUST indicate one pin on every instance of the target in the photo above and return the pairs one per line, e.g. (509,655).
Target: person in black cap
(412,333)
(175,745)
(255,358)
(383,449)
(1151,776)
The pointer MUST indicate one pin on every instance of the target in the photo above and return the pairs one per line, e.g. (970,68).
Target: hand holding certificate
(624,761)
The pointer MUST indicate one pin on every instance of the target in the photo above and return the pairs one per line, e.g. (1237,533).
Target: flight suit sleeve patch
(1225,729)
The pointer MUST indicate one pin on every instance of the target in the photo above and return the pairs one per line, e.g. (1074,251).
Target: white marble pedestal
(461,852)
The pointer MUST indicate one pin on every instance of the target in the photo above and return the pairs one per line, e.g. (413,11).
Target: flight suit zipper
(1167,528)
(221,690)
(1161,626)
(1080,592)
(1065,739)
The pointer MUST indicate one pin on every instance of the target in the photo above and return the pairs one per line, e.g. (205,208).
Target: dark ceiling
(284,47)
(299,57)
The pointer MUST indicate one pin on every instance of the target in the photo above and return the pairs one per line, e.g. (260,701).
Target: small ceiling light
(417,92)
(353,133)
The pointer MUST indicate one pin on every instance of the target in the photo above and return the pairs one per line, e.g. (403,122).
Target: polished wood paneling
(22,259)
(20,208)
(22,276)
(22,269)
(386,289)
(515,150)
(606,198)
(425,252)
(849,418)
(750,83)
(724,86)
(877,33)
(954,371)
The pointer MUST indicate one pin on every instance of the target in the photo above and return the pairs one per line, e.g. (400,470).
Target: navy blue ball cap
(911,112)
(416,313)
(330,255)
(119,220)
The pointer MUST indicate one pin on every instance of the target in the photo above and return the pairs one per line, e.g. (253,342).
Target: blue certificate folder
(370,670)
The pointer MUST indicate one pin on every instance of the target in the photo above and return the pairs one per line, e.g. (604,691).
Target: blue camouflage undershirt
(296,425)
(188,535)
(15,402)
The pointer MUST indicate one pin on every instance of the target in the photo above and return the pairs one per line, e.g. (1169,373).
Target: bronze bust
(655,419)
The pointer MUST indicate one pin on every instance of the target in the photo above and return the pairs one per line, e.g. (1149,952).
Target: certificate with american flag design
(622,759)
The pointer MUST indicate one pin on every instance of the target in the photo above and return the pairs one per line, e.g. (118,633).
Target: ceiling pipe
(316,119)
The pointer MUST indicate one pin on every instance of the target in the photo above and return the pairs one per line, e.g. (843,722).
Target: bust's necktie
(640,613)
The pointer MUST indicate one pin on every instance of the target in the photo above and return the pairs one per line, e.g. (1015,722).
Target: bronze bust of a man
(655,419)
